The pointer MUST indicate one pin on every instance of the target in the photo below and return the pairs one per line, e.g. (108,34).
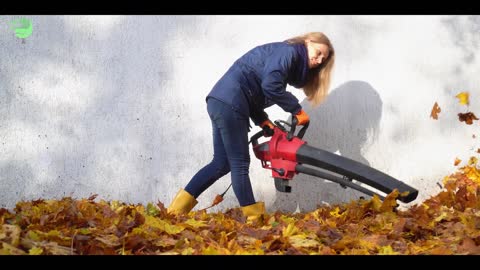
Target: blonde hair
(318,82)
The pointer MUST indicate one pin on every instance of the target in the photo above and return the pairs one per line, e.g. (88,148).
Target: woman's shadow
(344,123)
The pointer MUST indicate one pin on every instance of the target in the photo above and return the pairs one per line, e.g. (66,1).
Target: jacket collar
(299,78)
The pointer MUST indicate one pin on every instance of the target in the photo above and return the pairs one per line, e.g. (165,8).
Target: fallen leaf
(435,111)
(35,251)
(462,98)
(469,247)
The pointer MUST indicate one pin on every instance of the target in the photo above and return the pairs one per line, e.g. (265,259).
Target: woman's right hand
(302,118)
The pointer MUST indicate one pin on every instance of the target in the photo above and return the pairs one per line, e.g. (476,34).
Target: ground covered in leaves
(448,223)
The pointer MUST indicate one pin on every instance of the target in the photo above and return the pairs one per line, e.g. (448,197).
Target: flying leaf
(457,161)
(472,161)
(218,199)
(390,202)
(462,98)
(467,117)
(435,111)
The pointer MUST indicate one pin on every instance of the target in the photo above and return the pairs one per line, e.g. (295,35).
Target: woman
(254,82)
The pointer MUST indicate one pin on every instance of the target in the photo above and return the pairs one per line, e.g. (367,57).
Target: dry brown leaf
(457,161)
(467,117)
(435,111)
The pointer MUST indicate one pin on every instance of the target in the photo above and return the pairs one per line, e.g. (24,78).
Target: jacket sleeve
(259,116)
(274,80)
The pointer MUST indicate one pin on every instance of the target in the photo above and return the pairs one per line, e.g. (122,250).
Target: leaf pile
(447,223)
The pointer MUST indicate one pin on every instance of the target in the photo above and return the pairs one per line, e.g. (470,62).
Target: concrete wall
(114,105)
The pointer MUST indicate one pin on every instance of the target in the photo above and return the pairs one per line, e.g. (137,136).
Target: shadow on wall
(344,123)
(120,122)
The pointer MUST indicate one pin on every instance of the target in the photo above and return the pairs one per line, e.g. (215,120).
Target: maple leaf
(390,202)
(163,225)
(289,230)
(472,161)
(8,249)
(467,117)
(195,223)
(457,161)
(462,98)
(35,251)
(468,246)
(441,250)
(301,241)
(435,111)
(152,210)
(387,250)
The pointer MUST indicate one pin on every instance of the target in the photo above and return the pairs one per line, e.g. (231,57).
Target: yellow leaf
(462,98)
(211,251)
(114,205)
(335,213)
(376,203)
(34,236)
(287,219)
(472,161)
(289,230)
(187,251)
(35,251)
(163,225)
(10,250)
(84,231)
(387,250)
(302,241)
(195,223)
(390,201)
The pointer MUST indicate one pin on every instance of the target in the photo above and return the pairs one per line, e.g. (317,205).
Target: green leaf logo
(23,27)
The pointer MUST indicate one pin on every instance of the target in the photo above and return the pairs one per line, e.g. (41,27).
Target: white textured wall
(115,105)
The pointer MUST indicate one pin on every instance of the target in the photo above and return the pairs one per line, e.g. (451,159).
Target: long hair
(318,83)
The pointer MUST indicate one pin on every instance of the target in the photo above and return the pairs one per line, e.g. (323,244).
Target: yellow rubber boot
(254,212)
(182,203)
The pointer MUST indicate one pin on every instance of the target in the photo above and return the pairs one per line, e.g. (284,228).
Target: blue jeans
(230,153)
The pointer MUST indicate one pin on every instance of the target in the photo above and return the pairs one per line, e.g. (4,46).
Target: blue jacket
(259,78)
